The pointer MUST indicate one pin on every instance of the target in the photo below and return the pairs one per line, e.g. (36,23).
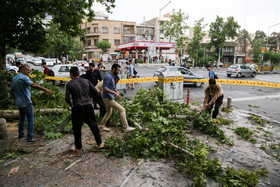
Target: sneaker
(101,146)
(33,140)
(128,129)
(105,129)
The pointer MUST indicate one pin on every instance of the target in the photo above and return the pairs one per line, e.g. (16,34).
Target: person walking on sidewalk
(21,84)
(79,90)
(130,73)
(109,94)
(213,95)
(99,99)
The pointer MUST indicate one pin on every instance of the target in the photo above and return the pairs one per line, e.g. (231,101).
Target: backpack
(51,73)
(215,76)
(134,72)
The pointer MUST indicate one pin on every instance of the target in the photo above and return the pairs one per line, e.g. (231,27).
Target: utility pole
(159,28)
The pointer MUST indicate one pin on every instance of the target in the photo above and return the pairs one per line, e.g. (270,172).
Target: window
(95,41)
(128,39)
(64,69)
(95,29)
(88,42)
(140,30)
(140,38)
(105,30)
(88,30)
(117,30)
(126,30)
(117,42)
(106,40)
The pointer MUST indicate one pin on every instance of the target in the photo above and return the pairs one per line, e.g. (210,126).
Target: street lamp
(159,28)
(268,34)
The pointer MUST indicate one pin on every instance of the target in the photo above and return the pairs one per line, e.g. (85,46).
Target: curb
(269,72)
(264,117)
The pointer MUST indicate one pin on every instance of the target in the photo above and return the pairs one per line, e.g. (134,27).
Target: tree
(22,24)
(272,58)
(260,35)
(244,40)
(176,28)
(220,30)
(256,51)
(194,47)
(59,43)
(274,42)
(103,45)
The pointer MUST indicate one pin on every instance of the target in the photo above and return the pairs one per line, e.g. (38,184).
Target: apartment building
(120,33)
(101,28)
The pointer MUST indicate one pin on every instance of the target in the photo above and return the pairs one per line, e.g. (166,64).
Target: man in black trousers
(79,90)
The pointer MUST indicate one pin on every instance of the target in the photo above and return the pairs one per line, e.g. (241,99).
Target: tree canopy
(220,30)
(103,45)
(194,47)
(244,40)
(22,23)
(176,28)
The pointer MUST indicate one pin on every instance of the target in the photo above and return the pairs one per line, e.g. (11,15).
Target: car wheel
(253,74)
(57,83)
(198,84)
(239,75)
(228,75)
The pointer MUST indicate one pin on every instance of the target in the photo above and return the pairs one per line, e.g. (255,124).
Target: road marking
(255,98)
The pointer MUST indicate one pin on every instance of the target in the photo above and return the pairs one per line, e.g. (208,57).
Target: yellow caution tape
(58,78)
(239,82)
(181,79)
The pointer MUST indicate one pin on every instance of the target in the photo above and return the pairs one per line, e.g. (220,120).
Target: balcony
(93,33)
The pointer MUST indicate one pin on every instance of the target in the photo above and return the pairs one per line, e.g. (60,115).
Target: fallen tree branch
(14,114)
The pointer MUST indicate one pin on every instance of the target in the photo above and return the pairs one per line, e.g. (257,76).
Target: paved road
(260,100)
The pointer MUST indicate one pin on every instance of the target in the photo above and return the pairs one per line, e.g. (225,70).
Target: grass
(226,110)
(223,121)
(257,119)
(245,134)
(254,106)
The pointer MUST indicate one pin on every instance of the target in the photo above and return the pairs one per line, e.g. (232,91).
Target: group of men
(80,95)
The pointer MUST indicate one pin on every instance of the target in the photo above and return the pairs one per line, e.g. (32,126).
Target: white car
(49,62)
(11,68)
(37,61)
(62,71)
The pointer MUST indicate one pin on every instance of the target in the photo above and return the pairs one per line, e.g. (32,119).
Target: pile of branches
(160,136)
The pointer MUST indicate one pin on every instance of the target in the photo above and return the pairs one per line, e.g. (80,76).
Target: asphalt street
(261,100)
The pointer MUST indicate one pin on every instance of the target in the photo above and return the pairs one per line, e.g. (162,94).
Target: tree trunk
(14,114)
(3,82)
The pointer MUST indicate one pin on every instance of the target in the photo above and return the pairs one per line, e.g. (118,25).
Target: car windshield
(161,69)
(233,67)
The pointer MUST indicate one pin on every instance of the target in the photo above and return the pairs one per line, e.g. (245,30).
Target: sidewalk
(50,162)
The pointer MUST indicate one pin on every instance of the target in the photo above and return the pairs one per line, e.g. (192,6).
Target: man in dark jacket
(79,90)
(93,75)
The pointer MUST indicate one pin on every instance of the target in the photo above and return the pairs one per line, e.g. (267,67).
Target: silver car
(240,70)
(186,73)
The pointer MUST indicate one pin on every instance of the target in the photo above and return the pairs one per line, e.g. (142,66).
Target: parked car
(62,71)
(49,62)
(37,61)
(240,70)
(11,68)
(186,73)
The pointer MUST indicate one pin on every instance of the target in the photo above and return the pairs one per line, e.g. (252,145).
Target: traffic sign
(263,49)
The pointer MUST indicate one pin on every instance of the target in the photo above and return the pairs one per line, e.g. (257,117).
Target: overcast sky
(250,14)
